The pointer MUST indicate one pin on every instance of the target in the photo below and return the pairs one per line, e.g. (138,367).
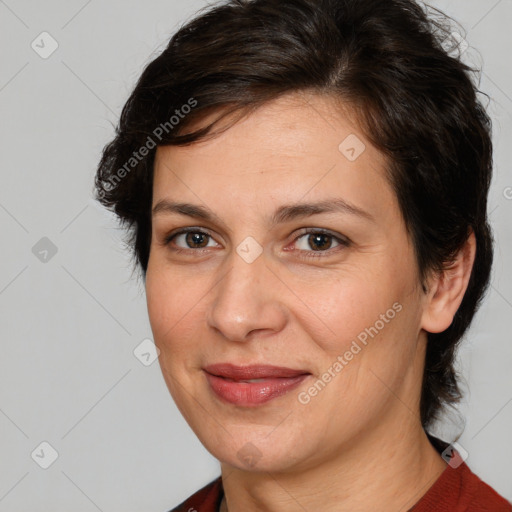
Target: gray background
(70,321)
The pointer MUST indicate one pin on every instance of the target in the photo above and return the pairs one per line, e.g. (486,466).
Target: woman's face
(333,295)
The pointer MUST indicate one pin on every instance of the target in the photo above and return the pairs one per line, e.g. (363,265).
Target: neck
(378,471)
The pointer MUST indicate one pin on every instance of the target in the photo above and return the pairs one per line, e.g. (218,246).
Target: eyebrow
(283,214)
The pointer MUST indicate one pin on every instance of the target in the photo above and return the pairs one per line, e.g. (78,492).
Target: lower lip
(249,394)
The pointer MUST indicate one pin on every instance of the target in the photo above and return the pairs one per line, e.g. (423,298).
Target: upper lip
(231,371)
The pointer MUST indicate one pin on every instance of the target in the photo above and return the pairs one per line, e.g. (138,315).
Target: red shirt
(458,489)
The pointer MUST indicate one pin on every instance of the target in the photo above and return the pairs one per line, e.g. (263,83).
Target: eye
(320,239)
(193,237)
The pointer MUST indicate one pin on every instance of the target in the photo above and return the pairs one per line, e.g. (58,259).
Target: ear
(446,290)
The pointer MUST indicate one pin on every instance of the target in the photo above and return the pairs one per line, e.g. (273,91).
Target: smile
(250,386)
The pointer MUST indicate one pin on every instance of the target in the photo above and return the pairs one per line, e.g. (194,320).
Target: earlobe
(447,289)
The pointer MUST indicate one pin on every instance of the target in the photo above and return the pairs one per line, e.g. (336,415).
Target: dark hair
(415,101)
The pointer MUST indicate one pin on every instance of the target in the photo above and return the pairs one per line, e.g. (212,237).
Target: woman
(305,183)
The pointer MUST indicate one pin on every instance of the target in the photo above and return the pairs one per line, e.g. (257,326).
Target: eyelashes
(316,236)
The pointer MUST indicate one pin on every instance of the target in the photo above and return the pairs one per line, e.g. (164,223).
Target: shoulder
(206,499)
(480,496)
(458,489)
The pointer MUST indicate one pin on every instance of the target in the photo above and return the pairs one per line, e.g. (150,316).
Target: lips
(252,385)
(238,373)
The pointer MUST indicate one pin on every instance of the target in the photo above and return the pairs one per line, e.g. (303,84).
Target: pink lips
(229,382)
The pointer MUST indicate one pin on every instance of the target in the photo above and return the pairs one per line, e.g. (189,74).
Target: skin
(358,445)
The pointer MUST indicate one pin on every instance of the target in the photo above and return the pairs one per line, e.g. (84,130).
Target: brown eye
(189,239)
(320,242)
(192,238)
(316,241)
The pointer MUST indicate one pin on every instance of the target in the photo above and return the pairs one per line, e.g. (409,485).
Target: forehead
(300,146)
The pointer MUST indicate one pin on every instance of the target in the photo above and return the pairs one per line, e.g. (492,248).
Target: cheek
(364,362)
(168,318)
(165,302)
(350,308)
(368,330)
(175,303)
(159,302)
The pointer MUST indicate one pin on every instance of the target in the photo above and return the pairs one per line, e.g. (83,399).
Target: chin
(255,452)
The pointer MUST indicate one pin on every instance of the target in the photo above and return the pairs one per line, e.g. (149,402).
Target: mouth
(250,386)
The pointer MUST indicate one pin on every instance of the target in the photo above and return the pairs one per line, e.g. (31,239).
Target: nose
(247,300)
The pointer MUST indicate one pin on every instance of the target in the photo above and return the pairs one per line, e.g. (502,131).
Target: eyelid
(342,240)
(189,229)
